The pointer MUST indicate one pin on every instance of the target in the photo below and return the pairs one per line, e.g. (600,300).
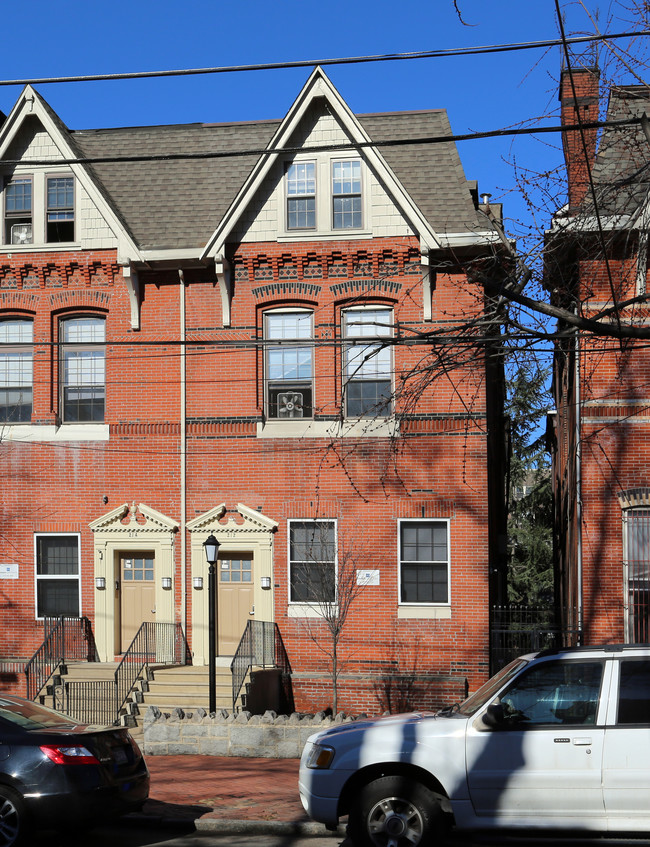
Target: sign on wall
(9,571)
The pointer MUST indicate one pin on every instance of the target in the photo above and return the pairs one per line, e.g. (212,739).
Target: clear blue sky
(480,93)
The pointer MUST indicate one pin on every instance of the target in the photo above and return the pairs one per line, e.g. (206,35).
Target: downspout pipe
(578,437)
(183,451)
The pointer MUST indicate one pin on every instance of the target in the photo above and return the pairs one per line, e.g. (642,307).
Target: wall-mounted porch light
(100,583)
(167,583)
(197,583)
(266,582)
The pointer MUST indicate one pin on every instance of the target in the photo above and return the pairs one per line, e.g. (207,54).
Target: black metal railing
(154,643)
(65,639)
(91,702)
(261,645)
(516,630)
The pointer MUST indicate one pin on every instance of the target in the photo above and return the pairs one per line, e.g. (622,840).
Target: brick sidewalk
(210,787)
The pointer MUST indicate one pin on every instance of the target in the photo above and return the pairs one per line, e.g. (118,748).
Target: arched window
(288,363)
(16,370)
(82,369)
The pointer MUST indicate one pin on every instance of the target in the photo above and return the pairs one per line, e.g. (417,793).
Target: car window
(634,692)
(554,693)
(488,689)
(29,715)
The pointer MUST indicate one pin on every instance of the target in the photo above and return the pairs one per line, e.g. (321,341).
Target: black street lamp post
(211,546)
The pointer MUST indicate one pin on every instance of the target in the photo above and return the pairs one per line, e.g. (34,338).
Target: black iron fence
(91,702)
(261,646)
(66,639)
(516,630)
(154,644)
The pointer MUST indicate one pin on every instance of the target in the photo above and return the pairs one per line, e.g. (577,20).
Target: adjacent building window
(424,561)
(82,368)
(57,576)
(637,574)
(312,562)
(16,371)
(367,365)
(289,364)
(301,195)
(346,195)
(18,211)
(60,209)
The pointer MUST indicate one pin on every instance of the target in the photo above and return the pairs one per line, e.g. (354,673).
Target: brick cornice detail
(634,498)
(34,272)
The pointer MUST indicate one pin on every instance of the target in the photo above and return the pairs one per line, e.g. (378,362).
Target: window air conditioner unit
(290,404)
(21,234)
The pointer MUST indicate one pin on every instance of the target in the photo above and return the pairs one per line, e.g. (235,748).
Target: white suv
(556,740)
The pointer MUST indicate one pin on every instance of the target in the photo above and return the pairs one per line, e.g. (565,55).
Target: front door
(234,600)
(137,594)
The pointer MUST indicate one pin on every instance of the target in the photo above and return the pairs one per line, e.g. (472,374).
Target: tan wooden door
(137,594)
(234,601)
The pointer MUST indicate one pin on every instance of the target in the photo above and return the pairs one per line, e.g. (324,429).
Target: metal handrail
(65,639)
(154,643)
(260,645)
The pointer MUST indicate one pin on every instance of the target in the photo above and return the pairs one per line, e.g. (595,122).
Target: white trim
(349,428)
(410,604)
(47,432)
(68,577)
(424,612)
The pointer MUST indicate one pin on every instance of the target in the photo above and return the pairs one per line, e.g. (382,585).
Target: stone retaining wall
(269,735)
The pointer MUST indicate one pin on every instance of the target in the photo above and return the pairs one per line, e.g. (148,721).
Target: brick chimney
(584,106)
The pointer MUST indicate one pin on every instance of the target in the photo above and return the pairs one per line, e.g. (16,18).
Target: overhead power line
(354,145)
(349,60)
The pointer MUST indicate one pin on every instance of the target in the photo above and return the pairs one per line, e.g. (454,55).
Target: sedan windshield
(485,693)
(30,715)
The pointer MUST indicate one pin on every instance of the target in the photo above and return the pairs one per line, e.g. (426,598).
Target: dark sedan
(55,772)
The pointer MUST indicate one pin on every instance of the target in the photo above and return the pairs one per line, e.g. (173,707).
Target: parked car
(56,773)
(556,740)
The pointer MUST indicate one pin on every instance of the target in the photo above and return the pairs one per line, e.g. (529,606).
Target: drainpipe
(183,453)
(578,435)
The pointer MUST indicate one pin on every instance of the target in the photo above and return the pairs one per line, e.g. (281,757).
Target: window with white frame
(367,362)
(288,364)
(60,209)
(424,561)
(312,562)
(346,194)
(301,195)
(57,576)
(82,369)
(636,524)
(18,228)
(16,370)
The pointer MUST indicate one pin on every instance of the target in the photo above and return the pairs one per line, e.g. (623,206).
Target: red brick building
(210,329)
(597,268)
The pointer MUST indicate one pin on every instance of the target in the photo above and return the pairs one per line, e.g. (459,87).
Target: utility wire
(356,145)
(307,63)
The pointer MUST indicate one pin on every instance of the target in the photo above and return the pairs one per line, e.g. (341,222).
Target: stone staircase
(168,688)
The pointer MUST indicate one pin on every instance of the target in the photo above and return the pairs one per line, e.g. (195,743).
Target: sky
(479,92)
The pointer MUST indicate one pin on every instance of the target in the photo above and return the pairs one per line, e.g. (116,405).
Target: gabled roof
(193,204)
(622,169)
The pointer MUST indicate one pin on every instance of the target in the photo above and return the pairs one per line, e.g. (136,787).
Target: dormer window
(346,194)
(60,209)
(301,195)
(18,211)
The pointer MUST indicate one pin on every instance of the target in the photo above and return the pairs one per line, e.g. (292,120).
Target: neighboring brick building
(206,343)
(597,267)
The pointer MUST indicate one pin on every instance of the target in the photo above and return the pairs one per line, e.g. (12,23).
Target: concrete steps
(185,688)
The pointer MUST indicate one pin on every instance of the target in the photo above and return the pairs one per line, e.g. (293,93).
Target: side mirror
(494,716)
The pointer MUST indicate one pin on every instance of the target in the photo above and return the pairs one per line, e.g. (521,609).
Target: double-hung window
(60,209)
(636,524)
(424,561)
(57,576)
(82,368)
(16,371)
(367,365)
(312,562)
(346,194)
(289,364)
(301,195)
(18,211)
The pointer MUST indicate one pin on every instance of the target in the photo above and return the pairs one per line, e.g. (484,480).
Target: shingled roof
(166,204)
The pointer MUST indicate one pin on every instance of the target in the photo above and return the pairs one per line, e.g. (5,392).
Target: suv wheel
(394,811)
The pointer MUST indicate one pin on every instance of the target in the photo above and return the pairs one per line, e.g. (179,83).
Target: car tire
(394,811)
(12,817)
